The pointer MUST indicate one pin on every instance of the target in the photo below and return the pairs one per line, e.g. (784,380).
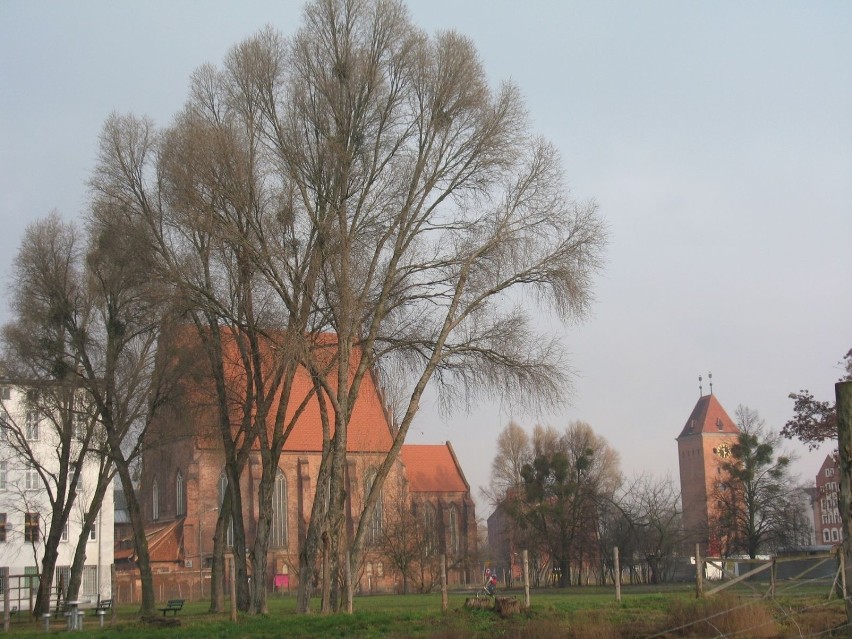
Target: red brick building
(183,484)
(705,440)
(828,527)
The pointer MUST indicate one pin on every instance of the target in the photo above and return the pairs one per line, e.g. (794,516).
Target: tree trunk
(217,573)
(261,543)
(843,395)
(48,566)
(140,541)
(89,521)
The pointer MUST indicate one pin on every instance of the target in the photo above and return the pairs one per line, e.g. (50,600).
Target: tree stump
(479,603)
(506,606)
(162,622)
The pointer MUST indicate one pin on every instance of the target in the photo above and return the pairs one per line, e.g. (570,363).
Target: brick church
(706,439)
(183,484)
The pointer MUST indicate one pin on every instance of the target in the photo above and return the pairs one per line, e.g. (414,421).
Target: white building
(25,510)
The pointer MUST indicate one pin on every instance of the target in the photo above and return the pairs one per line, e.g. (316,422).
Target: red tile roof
(369,430)
(369,427)
(708,416)
(165,543)
(432,469)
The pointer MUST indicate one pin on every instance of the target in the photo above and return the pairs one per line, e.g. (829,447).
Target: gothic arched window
(454,529)
(223,490)
(180,495)
(279,511)
(155,500)
(374,533)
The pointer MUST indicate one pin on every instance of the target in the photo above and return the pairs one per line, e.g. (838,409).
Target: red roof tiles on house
(432,469)
(708,416)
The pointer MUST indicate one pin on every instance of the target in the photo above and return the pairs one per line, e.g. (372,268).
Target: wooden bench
(173,606)
(103,607)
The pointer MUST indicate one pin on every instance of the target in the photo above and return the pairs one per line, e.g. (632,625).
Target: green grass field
(577,613)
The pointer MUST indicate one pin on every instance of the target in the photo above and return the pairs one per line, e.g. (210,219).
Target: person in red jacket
(490,582)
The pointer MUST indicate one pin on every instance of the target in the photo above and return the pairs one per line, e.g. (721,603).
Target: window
(4,574)
(454,530)
(834,535)
(63,576)
(32,425)
(5,423)
(3,470)
(81,419)
(719,424)
(380,569)
(93,533)
(2,527)
(279,510)
(155,500)
(429,529)
(5,393)
(375,531)
(31,527)
(829,472)
(72,472)
(90,581)
(223,489)
(826,535)
(180,495)
(31,577)
(31,478)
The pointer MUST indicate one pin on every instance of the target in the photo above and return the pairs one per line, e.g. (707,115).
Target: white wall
(18,497)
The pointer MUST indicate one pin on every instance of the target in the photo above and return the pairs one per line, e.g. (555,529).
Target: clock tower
(705,441)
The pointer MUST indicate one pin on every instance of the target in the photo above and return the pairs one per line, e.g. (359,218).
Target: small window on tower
(719,424)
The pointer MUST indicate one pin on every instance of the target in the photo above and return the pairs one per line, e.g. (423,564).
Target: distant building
(704,442)
(828,528)
(25,511)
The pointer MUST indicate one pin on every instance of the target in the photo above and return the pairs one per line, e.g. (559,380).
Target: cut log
(507,606)
(480,603)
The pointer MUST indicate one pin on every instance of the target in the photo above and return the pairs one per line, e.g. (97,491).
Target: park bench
(103,607)
(173,606)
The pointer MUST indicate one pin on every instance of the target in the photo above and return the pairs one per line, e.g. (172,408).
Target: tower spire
(700,387)
(710,377)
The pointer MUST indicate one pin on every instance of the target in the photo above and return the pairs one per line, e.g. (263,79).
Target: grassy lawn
(576,612)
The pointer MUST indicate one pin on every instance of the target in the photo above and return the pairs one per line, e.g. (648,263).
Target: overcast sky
(716,138)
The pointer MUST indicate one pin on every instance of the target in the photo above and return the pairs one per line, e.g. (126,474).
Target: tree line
(561,495)
(359,179)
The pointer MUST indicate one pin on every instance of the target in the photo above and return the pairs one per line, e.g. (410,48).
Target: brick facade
(706,439)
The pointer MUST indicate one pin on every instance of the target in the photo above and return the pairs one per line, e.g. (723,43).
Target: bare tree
(514,450)
(40,355)
(402,540)
(435,209)
(650,508)
(98,295)
(566,487)
(370,184)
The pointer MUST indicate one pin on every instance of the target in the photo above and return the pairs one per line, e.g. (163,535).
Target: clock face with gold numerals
(724,451)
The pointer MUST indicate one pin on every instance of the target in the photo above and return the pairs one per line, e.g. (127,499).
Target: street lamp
(201,551)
